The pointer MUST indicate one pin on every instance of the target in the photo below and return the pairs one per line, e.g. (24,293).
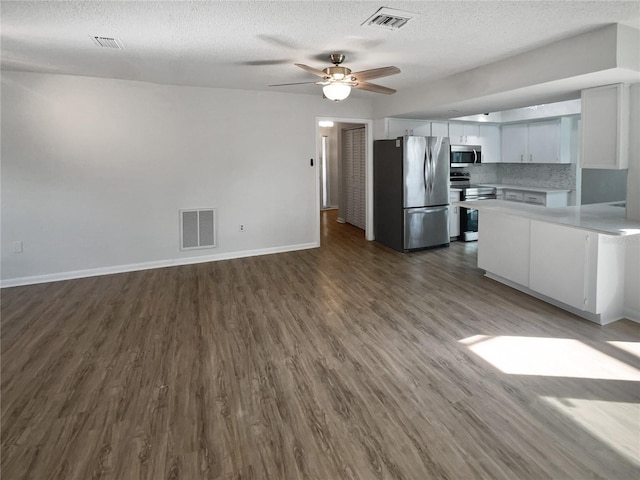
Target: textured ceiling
(251,44)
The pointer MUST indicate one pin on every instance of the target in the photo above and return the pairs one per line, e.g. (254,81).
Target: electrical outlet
(241,227)
(17,247)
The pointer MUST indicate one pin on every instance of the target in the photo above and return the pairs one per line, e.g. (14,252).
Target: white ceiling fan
(337,81)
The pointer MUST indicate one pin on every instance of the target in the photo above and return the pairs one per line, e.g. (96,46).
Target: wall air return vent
(389,18)
(197,229)
(107,42)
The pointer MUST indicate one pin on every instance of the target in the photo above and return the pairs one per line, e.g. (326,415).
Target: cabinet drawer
(513,196)
(537,198)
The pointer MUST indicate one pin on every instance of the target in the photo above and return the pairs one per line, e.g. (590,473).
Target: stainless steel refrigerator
(411,192)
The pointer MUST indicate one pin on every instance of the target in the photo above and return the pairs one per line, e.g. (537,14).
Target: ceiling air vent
(107,42)
(389,18)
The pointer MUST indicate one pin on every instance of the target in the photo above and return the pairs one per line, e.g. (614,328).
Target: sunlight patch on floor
(553,357)
(630,347)
(617,424)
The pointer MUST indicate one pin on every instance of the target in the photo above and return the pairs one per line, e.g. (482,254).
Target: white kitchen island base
(573,257)
(593,317)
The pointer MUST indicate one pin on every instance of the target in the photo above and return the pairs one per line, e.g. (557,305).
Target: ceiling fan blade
(372,87)
(309,69)
(285,84)
(365,75)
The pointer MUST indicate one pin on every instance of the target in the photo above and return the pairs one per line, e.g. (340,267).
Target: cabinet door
(503,246)
(605,127)
(559,257)
(354,158)
(514,143)
(454,215)
(544,142)
(439,129)
(490,142)
(456,133)
(464,133)
(398,127)
(471,130)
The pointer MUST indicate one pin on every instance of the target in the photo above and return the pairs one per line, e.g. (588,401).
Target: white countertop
(524,188)
(599,217)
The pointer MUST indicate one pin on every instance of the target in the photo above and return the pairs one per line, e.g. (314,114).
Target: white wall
(333,166)
(94,172)
(632,280)
(633,174)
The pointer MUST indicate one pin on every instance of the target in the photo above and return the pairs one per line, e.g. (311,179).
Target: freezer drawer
(426,227)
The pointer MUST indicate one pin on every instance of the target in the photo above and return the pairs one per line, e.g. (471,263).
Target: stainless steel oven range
(470,193)
(469,216)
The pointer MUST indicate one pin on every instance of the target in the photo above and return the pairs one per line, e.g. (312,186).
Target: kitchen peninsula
(584,259)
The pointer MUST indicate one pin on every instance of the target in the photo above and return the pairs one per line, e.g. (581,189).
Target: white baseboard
(94,272)
(598,318)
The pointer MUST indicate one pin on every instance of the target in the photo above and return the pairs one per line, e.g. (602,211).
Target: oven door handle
(481,197)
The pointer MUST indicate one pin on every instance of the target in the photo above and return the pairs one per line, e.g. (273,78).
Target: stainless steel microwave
(465,155)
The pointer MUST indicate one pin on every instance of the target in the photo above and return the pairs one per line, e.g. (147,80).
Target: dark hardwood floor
(350,361)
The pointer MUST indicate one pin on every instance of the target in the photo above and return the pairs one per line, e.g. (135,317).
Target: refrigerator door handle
(424,172)
(432,173)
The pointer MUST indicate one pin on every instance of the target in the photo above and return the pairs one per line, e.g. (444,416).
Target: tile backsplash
(487,173)
(547,175)
(533,175)
(538,175)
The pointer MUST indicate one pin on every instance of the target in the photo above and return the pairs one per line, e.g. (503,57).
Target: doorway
(345,159)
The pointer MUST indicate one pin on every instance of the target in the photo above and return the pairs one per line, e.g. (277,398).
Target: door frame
(368,131)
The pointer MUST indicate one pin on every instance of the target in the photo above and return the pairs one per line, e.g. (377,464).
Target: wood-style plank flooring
(350,361)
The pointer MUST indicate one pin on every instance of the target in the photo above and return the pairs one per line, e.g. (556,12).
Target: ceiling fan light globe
(336,91)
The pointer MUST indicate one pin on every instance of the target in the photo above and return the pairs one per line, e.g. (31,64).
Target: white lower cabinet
(576,269)
(554,198)
(503,246)
(580,268)
(559,257)
(454,215)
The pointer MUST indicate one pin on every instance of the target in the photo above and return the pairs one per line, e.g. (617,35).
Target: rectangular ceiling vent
(389,18)
(197,229)
(107,42)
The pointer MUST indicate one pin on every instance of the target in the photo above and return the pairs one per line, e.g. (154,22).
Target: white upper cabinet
(464,133)
(547,141)
(399,127)
(514,142)
(439,129)
(544,142)
(605,127)
(490,142)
